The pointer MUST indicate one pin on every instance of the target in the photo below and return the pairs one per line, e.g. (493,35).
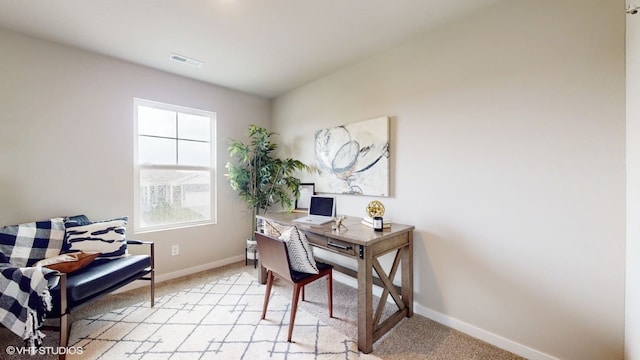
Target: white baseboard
(183,272)
(483,335)
(199,268)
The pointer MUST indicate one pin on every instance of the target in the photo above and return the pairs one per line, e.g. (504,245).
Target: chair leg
(330,292)
(294,308)
(267,293)
(303,293)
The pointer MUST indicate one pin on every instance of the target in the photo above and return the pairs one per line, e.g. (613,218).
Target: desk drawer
(318,240)
(334,245)
(341,247)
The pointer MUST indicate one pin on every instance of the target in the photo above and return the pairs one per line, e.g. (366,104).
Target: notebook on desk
(322,209)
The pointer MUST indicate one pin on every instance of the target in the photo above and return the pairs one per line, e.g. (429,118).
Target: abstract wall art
(354,158)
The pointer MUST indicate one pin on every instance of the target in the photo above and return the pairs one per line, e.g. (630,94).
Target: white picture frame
(306,191)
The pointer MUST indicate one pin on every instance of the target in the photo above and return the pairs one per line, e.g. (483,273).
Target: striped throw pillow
(106,237)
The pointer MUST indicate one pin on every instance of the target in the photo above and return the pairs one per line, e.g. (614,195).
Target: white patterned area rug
(218,320)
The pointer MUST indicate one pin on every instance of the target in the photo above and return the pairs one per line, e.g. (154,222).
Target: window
(174,167)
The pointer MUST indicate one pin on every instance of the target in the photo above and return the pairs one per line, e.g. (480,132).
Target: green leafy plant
(260,179)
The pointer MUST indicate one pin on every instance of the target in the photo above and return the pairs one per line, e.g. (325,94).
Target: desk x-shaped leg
(370,327)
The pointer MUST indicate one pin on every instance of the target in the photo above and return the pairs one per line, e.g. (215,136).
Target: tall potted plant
(260,179)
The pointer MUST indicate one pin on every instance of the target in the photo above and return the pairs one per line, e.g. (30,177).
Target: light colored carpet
(413,338)
(216,320)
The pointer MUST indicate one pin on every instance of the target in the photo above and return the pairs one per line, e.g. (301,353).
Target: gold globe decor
(375,208)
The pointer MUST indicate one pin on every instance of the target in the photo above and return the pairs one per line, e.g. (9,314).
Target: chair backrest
(274,255)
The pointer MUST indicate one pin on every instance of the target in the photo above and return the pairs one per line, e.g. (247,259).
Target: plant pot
(252,249)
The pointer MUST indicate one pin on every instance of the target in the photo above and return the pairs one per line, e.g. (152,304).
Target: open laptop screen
(322,205)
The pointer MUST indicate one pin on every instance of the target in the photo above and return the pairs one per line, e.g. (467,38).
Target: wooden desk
(360,242)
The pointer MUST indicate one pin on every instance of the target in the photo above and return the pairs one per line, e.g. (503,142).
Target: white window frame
(137,167)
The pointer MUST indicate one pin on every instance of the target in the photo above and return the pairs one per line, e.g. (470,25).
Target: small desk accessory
(375,210)
(338,223)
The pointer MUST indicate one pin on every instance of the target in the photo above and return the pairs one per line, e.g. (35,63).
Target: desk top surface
(353,230)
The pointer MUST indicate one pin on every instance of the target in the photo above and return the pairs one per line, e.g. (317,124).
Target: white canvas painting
(354,158)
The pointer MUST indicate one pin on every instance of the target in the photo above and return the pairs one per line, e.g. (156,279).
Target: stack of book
(367,221)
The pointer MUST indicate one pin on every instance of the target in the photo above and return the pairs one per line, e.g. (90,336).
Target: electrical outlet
(175,250)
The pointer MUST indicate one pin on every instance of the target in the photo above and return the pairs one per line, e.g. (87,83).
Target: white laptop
(322,209)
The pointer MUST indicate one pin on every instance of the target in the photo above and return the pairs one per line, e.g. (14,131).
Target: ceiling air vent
(185,60)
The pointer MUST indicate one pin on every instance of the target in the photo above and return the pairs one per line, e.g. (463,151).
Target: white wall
(508,155)
(632,330)
(66,143)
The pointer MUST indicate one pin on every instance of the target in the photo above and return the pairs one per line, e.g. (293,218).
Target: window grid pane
(160,151)
(194,153)
(193,127)
(156,122)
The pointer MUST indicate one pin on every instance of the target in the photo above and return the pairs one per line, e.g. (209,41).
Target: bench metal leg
(64,317)
(153,288)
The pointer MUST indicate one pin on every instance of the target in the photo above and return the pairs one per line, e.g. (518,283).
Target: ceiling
(263,47)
